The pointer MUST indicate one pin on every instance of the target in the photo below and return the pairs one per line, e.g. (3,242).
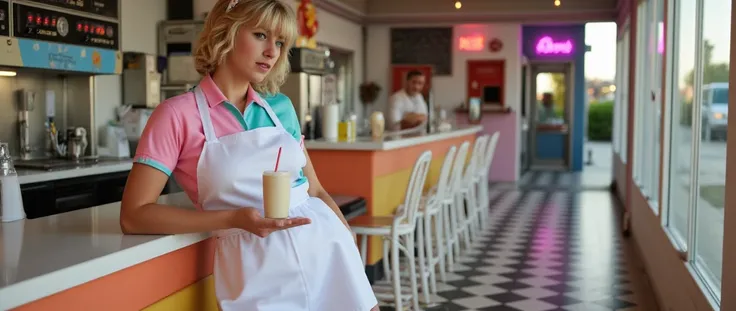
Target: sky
(600,62)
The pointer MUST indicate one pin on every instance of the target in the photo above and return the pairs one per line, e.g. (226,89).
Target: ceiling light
(557,2)
(7,73)
(458,5)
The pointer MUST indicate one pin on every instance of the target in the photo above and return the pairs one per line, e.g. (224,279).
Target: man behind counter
(407,106)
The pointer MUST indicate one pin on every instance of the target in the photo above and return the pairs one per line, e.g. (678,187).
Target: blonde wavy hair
(217,39)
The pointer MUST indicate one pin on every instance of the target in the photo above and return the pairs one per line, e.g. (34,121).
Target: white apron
(315,267)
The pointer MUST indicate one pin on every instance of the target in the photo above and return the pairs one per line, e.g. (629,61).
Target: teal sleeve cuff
(155,164)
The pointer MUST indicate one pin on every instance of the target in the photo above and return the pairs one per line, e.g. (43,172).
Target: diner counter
(81,259)
(44,256)
(380,170)
(391,142)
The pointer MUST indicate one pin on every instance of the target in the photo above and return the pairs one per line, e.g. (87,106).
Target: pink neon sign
(546,45)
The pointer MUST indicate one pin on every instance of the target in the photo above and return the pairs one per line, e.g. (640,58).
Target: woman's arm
(139,213)
(316,189)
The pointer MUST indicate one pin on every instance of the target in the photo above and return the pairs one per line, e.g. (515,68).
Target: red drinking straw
(278,158)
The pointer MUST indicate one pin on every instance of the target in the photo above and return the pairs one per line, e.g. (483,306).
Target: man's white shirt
(401,103)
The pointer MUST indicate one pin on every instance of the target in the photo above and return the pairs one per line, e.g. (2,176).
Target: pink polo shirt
(173,138)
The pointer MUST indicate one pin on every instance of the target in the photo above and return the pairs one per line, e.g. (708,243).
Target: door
(550,115)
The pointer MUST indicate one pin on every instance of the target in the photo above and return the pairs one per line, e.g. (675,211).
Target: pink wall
(505,161)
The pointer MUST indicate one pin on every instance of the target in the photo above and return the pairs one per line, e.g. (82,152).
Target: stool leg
(466,223)
(412,270)
(387,261)
(439,228)
(395,274)
(473,208)
(431,258)
(460,228)
(446,222)
(486,203)
(456,223)
(422,259)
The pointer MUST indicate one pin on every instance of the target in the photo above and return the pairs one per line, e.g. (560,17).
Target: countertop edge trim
(57,281)
(44,176)
(383,146)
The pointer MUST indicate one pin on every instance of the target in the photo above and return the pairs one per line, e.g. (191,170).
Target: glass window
(648,99)
(720,96)
(706,97)
(654,106)
(618,101)
(711,179)
(698,100)
(639,97)
(621,93)
(624,87)
(648,82)
(681,114)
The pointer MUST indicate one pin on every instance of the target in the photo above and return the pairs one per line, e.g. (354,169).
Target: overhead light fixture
(458,5)
(557,3)
(7,73)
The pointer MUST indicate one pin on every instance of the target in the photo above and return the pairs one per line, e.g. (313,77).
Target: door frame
(534,68)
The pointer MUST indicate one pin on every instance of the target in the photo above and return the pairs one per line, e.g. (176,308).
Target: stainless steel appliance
(141,80)
(53,49)
(304,86)
(26,103)
(177,41)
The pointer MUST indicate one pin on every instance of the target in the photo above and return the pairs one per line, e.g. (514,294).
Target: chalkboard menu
(425,46)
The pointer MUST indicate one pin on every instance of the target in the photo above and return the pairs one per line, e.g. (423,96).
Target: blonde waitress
(217,140)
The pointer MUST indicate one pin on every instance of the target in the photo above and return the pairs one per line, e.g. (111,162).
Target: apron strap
(204,113)
(272,114)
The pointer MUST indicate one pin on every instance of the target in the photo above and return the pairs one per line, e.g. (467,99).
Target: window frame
(688,248)
(625,87)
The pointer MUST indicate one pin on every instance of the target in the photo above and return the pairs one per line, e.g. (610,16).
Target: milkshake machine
(26,102)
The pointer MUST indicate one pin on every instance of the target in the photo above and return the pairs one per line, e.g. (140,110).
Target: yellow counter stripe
(199,296)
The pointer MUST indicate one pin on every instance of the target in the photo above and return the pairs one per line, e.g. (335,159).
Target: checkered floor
(548,250)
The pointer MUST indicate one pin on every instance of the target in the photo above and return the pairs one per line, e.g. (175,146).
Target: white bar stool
(466,194)
(430,229)
(484,183)
(397,232)
(450,206)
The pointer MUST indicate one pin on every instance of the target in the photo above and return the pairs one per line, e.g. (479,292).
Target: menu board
(425,46)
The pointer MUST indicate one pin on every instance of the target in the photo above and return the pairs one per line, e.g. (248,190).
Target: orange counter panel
(136,287)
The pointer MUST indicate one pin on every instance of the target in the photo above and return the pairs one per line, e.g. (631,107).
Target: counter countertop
(43,256)
(29,176)
(391,142)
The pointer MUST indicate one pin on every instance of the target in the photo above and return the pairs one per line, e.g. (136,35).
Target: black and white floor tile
(548,250)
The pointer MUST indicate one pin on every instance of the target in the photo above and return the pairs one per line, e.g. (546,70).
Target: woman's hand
(250,219)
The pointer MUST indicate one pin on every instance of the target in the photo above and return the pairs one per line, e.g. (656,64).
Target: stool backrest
(457,167)
(443,184)
(472,168)
(408,212)
(489,152)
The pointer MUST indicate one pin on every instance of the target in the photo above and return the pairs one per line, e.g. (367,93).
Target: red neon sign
(471,43)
